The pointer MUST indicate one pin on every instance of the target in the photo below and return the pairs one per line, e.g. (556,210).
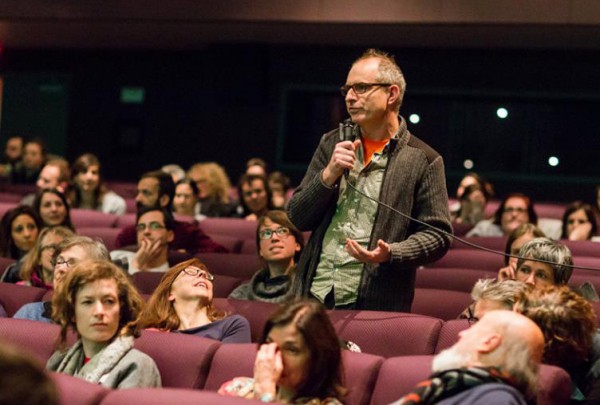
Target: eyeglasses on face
(360,88)
(267,234)
(196,272)
(67,263)
(472,319)
(152,226)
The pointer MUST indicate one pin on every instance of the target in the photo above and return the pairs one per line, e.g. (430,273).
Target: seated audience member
(578,222)
(175,171)
(516,209)
(489,295)
(54,174)
(472,205)
(540,274)
(469,179)
(36,269)
(28,169)
(183,303)
(299,360)
(99,303)
(156,190)
(572,340)
(213,189)
(53,208)
(279,245)
(256,167)
(185,202)
(154,234)
(20,228)
(89,190)
(255,197)
(279,184)
(12,155)
(495,361)
(67,253)
(515,241)
(23,381)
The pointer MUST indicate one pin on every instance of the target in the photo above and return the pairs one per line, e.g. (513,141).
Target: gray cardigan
(414,183)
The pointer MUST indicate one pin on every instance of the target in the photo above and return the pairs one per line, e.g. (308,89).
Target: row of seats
(189,362)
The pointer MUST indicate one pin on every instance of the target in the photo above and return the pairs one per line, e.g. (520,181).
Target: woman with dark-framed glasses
(279,245)
(183,303)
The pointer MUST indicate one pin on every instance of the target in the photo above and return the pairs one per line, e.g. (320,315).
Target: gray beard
(451,358)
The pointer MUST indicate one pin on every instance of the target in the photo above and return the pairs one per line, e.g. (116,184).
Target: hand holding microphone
(343,155)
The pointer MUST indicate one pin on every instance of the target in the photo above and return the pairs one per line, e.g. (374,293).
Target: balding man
(495,361)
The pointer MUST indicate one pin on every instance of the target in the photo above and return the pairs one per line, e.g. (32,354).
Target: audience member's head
(556,271)
(155,189)
(175,171)
(186,197)
(73,250)
(255,195)
(567,321)
(472,178)
(256,167)
(34,154)
(38,264)
(22,380)
(212,181)
(20,228)
(14,149)
(312,368)
(155,225)
(87,178)
(579,222)
(515,210)
(472,204)
(517,238)
(489,295)
(279,184)
(187,282)
(504,340)
(278,241)
(96,281)
(54,174)
(53,208)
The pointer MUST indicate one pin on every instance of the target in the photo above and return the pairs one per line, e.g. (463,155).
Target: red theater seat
(37,338)
(74,390)
(13,296)
(256,312)
(470,259)
(442,304)
(449,333)
(241,266)
(90,218)
(155,396)
(237,227)
(108,236)
(455,279)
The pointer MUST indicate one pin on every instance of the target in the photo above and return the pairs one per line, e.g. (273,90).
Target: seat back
(182,360)
(108,235)
(387,334)
(442,304)
(74,390)
(241,266)
(360,375)
(14,296)
(256,312)
(231,360)
(237,227)
(470,259)
(398,376)
(449,333)
(450,278)
(37,338)
(90,218)
(554,386)
(155,396)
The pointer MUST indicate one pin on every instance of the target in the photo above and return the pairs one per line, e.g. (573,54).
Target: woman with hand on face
(299,360)
(99,303)
(183,303)
(89,190)
(279,245)
(517,238)
(578,222)
(20,228)
(53,208)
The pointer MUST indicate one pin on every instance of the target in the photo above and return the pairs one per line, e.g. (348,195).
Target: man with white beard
(494,362)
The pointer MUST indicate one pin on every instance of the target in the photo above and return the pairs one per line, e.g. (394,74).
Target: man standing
(496,361)
(362,255)
(156,190)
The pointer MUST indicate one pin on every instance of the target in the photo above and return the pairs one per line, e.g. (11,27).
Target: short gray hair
(559,256)
(94,248)
(389,71)
(503,292)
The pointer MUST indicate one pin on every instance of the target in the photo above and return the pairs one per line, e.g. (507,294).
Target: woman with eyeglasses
(98,302)
(183,303)
(515,210)
(279,245)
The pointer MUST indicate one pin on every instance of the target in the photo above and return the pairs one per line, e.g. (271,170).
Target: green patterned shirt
(353,218)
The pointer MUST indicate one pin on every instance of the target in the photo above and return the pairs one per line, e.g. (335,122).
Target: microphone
(348,131)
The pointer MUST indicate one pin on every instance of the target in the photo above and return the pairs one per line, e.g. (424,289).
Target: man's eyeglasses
(196,272)
(267,234)
(360,88)
(152,225)
(472,319)
(68,263)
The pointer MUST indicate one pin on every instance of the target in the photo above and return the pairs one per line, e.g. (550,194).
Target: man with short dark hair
(55,174)
(494,361)
(156,190)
